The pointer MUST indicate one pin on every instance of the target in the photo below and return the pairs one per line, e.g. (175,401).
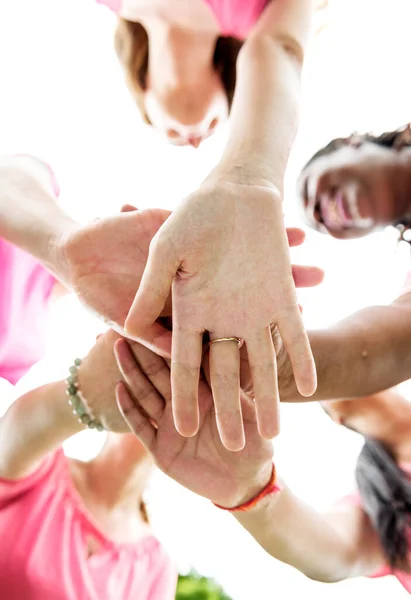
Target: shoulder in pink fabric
(25,288)
(44,532)
(114,5)
(237,17)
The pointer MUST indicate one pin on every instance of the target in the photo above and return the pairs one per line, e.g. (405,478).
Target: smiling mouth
(337,210)
(333,211)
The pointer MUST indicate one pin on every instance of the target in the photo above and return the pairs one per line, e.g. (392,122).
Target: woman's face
(350,192)
(188,114)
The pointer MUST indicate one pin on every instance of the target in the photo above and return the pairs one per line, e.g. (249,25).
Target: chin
(351,234)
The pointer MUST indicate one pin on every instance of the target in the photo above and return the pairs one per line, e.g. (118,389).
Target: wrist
(56,253)
(258,189)
(77,401)
(245,175)
(253,490)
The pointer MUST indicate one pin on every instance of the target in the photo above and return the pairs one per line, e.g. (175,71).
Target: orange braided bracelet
(271,488)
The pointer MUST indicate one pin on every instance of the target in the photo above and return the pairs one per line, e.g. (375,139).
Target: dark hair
(131,43)
(385,491)
(143,511)
(396,140)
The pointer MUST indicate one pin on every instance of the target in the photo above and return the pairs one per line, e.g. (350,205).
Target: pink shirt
(44,528)
(235,17)
(403,578)
(25,288)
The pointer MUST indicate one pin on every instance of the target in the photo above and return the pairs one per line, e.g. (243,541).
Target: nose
(195,140)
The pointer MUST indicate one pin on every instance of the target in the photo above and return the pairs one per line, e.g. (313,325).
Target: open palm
(200,463)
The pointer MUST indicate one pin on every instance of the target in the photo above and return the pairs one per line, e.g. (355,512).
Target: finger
(185,375)
(225,384)
(296,342)
(305,276)
(157,338)
(295,235)
(248,408)
(154,289)
(128,208)
(263,366)
(143,391)
(138,423)
(155,370)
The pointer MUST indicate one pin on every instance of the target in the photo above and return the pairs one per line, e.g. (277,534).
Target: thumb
(154,290)
(128,208)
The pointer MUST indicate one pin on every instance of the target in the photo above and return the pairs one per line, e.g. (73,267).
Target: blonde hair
(131,44)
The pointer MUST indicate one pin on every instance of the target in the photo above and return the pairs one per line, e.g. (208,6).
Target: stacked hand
(228,284)
(224,255)
(200,463)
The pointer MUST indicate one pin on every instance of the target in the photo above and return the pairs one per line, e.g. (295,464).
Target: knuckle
(142,392)
(153,368)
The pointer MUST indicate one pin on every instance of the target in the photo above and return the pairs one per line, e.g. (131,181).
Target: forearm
(34,425)
(368,352)
(264,116)
(29,215)
(294,533)
(266,103)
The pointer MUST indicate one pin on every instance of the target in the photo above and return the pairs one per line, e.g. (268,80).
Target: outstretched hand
(224,254)
(200,463)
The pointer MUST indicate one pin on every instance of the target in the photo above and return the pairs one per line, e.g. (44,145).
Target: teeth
(357,219)
(334,214)
(330,214)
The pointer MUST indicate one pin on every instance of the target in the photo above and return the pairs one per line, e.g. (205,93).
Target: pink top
(25,288)
(44,530)
(403,578)
(235,17)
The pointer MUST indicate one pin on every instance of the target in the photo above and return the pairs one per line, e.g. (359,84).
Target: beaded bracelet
(77,402)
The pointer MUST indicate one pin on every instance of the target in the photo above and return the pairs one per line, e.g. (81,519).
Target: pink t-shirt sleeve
(11,489)
(236,18)
(25,290)
(114,5)
(165,578)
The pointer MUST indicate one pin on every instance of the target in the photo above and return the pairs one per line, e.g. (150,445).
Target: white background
(62,98)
